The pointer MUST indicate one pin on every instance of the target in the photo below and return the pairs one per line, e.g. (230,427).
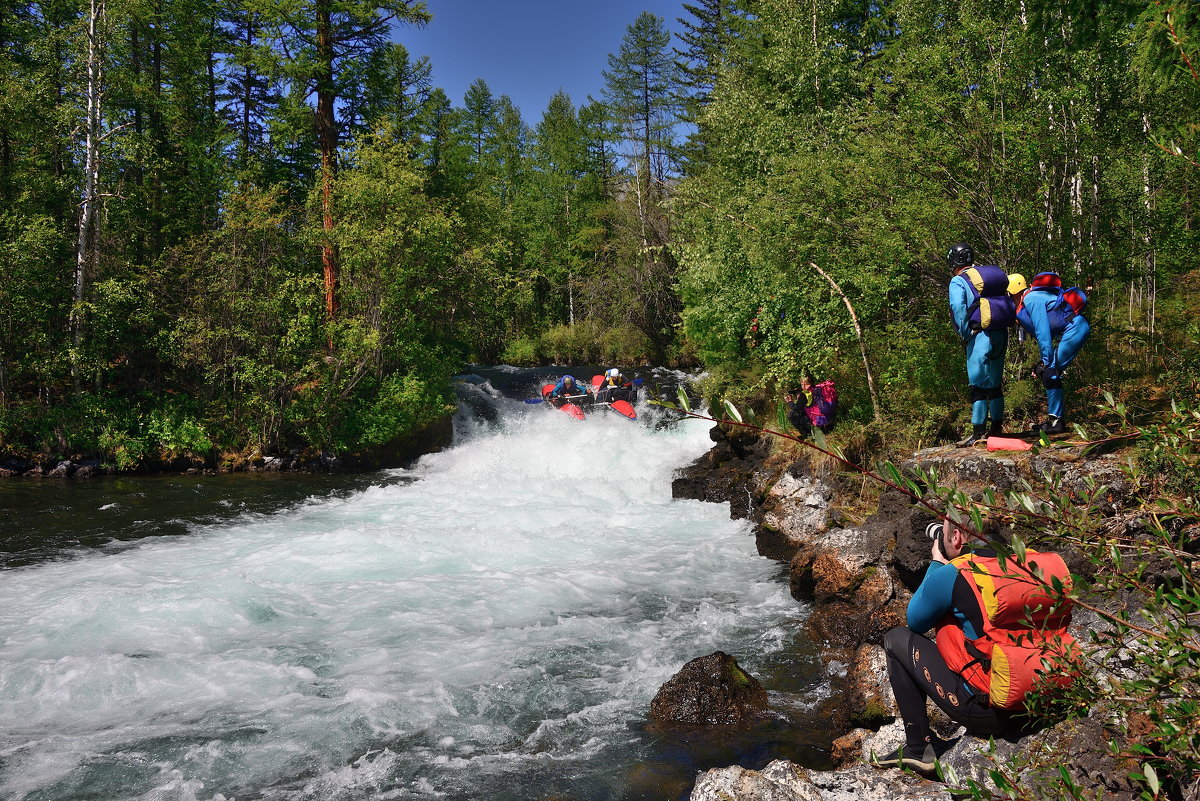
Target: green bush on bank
(588,341)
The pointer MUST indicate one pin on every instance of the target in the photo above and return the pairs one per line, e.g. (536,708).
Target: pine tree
(642,94)
(706,37)
(389,88)
(321,39)
(642,90)
(478,124)
(249,93)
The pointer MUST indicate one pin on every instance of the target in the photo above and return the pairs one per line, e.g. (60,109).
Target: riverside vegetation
(1128,522)
(230,230)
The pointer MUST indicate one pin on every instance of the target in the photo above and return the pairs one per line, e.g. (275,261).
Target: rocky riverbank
(858,580)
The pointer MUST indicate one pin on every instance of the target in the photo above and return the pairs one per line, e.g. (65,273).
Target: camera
(934,532)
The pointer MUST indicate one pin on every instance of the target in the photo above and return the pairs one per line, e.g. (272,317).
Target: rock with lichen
(710,690)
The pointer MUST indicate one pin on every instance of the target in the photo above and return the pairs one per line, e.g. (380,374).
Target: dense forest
(248,226)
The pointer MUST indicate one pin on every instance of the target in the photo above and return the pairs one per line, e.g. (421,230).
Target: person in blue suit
(981,311)
(567,386)
(1055,320)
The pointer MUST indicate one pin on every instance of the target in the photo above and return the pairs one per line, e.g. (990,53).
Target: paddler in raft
(565,390)
(615,387)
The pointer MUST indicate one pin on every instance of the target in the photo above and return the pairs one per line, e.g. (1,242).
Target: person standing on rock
(1000,627)
(981,310)
(1054,316)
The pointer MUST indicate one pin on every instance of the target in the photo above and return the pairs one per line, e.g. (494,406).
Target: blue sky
(528,49)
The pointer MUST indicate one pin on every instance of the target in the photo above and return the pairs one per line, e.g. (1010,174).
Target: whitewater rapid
(492,626)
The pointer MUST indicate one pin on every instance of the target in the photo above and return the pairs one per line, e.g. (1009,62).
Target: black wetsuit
(917,670)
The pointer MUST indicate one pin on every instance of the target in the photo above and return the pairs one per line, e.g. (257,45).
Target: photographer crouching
(1001,624)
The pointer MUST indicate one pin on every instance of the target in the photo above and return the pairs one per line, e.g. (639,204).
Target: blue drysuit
(561,389)
(1060,333)
(985,355)
(934,599)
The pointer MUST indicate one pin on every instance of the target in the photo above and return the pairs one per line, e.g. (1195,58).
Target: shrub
(522,352)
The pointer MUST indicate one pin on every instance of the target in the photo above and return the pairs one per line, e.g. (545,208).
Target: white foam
(520,603)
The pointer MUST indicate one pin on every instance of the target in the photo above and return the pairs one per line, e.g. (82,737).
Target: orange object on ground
(1007,444)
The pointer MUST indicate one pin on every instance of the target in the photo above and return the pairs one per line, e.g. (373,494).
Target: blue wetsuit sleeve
(1040,319)
(960,304)
(934,599)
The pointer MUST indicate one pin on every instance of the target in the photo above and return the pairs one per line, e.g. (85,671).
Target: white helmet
(613,372)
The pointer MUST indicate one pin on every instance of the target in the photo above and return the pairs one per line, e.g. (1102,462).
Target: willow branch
(862,344)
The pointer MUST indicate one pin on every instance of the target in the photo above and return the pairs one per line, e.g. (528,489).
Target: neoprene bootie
(915,757)
(1054,425)
(977,433)
(997,429)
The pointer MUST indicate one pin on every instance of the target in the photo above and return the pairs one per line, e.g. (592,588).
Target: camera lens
(934,530)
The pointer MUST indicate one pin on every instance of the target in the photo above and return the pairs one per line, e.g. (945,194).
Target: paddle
(563,397)
(637,382)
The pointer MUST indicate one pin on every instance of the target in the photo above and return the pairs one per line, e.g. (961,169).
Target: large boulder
(855,598)
(712,690)
(1081,471)
(795,511)
(1077,746)
(785,781)
(725,474)
(778,781)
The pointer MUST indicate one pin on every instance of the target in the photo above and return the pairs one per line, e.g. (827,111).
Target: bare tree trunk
(1047,174)
(570,274)
(862,343)
(91,170)
(1147,243)
(327,135)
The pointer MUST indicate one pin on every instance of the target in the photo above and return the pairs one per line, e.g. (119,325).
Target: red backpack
(824,407)
(1025,643)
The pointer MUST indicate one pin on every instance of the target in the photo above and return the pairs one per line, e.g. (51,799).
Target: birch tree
(90,195)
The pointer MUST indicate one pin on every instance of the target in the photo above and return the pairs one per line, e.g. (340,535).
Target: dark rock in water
(711,690)
(724,474)
(15,465)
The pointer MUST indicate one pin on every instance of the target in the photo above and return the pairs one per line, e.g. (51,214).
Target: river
(488,624)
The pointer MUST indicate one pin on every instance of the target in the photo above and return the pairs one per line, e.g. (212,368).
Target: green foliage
(858,138)
(867,139)
(35,296)
(591,341)
(125,450)
(175,432)
(398,405)
(579,343)
(1169,453)
(521,351)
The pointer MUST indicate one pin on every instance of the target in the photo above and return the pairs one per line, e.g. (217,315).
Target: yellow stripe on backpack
(985,313)
(975,277)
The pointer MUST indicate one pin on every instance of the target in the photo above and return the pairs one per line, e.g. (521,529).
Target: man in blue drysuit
(985,351)
(1060,332)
